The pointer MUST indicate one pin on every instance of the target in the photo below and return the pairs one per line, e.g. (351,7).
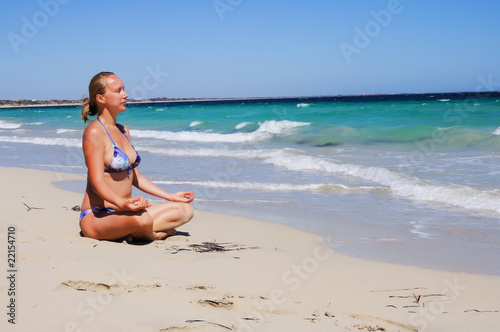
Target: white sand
(280,279)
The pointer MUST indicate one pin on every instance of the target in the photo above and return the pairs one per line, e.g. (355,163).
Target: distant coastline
(213,101)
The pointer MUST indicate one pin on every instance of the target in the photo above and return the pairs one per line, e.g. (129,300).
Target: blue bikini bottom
(95,210)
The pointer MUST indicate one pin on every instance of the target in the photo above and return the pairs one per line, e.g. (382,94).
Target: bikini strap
(114,144)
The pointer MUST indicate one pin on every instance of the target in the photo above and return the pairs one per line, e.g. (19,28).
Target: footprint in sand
(377,320)
(35,240)
(199,325)
(113,289)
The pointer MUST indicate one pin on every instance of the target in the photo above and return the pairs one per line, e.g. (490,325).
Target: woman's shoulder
(91,128)
(93,131)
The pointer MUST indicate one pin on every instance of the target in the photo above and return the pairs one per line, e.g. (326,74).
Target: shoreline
(278,279)
(9,104)
(386,245)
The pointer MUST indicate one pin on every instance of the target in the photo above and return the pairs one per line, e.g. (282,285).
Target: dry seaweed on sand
(210,247)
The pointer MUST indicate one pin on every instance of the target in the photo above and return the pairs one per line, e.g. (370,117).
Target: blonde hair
(97,86)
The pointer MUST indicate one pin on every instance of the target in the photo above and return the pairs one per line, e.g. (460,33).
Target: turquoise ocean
(414,181)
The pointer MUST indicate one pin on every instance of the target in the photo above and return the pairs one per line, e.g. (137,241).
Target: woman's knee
(88,231)
(181,212)
(189,211)
(186,211)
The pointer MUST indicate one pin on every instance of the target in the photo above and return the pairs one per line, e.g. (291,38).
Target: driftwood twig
(475,310)
(208,322)
(32,208)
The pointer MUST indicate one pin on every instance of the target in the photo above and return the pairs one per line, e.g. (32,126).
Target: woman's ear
(99,98)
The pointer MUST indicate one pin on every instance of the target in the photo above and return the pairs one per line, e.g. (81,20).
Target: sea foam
(278,127)
(266,130)
(70,142)
(191,136)
(9,125)
(242,125)
(314,187)
(195,123)
(400,185)
(63,131)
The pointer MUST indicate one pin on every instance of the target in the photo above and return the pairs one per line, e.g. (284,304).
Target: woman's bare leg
(168,216)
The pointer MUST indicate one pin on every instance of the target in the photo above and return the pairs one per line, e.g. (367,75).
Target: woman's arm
(144,184)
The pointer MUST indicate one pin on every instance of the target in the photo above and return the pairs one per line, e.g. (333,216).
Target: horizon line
(6,103)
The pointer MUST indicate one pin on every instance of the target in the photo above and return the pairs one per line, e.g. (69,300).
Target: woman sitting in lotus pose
(108,211)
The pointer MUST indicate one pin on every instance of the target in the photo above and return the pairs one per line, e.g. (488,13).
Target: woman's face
(115,96)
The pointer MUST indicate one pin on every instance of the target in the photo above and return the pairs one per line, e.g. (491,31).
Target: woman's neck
(107,118)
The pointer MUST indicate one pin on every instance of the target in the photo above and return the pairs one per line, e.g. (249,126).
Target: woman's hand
(182,196)
(135,204)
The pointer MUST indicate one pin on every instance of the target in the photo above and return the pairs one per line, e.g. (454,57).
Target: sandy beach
(220,273)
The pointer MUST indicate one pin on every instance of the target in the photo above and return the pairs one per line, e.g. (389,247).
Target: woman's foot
(164,235)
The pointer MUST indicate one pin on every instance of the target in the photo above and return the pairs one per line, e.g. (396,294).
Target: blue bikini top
(120,161)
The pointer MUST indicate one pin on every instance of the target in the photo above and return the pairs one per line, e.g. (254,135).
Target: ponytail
(97,86)
(88,109)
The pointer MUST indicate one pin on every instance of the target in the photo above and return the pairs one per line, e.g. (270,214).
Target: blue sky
(248,48)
